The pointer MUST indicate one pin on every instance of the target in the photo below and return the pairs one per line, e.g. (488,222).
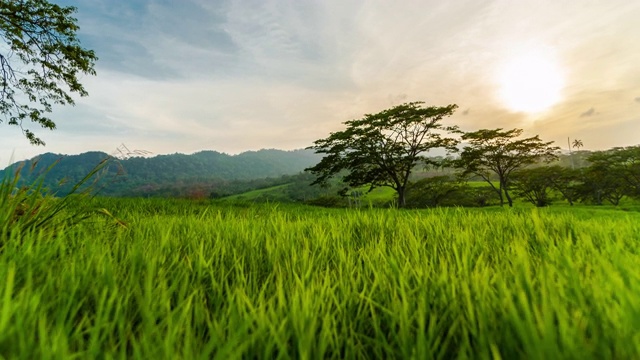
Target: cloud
(233,75)
(152,39)
(588,113)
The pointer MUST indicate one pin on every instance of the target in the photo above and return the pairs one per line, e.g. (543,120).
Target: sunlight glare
(530,82)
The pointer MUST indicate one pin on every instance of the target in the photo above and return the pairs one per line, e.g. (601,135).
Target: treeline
(601,177)
(584,177)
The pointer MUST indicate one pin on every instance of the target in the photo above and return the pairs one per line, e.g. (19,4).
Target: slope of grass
(379,195)
(196,281)
(275,192)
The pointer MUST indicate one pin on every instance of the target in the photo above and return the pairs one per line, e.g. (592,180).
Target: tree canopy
(382,149)
(501,153)
(534,184)
(613,174)
(41,63)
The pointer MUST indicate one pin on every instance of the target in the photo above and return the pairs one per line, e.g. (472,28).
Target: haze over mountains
(136,176)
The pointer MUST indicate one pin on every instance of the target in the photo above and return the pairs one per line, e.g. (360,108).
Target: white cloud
(235,75)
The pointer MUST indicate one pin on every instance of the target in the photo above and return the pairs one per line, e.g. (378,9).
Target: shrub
(431,191)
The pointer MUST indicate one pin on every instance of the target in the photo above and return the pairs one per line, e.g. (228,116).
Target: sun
(530,82)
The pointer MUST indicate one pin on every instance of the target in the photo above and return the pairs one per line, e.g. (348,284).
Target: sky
(191,75)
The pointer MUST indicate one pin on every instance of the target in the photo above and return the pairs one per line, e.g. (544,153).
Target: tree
(577,144)
(501,153)
(566,181)
(534,184)
(612,174)
(41,63)
(602,182)
(382,149)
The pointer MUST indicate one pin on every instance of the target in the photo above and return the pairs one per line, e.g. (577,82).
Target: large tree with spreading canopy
(496,152)
(383,149)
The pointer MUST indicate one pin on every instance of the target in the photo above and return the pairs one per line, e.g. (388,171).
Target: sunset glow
(247,75)
(530,82)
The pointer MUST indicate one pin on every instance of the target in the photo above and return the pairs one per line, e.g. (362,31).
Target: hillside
(165,174)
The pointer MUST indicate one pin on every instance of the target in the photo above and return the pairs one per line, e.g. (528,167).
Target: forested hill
(141,175)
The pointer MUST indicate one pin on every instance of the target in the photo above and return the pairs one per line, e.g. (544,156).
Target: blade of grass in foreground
(192,280)
(29,207)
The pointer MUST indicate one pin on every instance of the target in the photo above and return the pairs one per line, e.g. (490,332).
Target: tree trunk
(401,197)
(506,193)
(598,197)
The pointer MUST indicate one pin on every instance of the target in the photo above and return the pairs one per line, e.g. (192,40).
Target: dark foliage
(384,148)
(432,191)
(611,175)
(535,184)
(41,64)
(499,153)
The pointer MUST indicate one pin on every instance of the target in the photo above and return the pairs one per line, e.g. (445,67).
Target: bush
(431,191)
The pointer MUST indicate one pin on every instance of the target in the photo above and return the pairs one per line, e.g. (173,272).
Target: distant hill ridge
(165,170)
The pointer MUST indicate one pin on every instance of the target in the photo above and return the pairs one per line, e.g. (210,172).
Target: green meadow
(381,240)
(224,280)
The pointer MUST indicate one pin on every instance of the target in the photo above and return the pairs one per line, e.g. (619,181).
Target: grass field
(253,195)
(377,197)
(196,280)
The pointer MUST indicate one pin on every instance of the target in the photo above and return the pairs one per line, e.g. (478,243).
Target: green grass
(377,197)
(194,280)
(253,195)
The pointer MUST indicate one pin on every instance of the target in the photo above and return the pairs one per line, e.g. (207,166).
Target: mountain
(163,174)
